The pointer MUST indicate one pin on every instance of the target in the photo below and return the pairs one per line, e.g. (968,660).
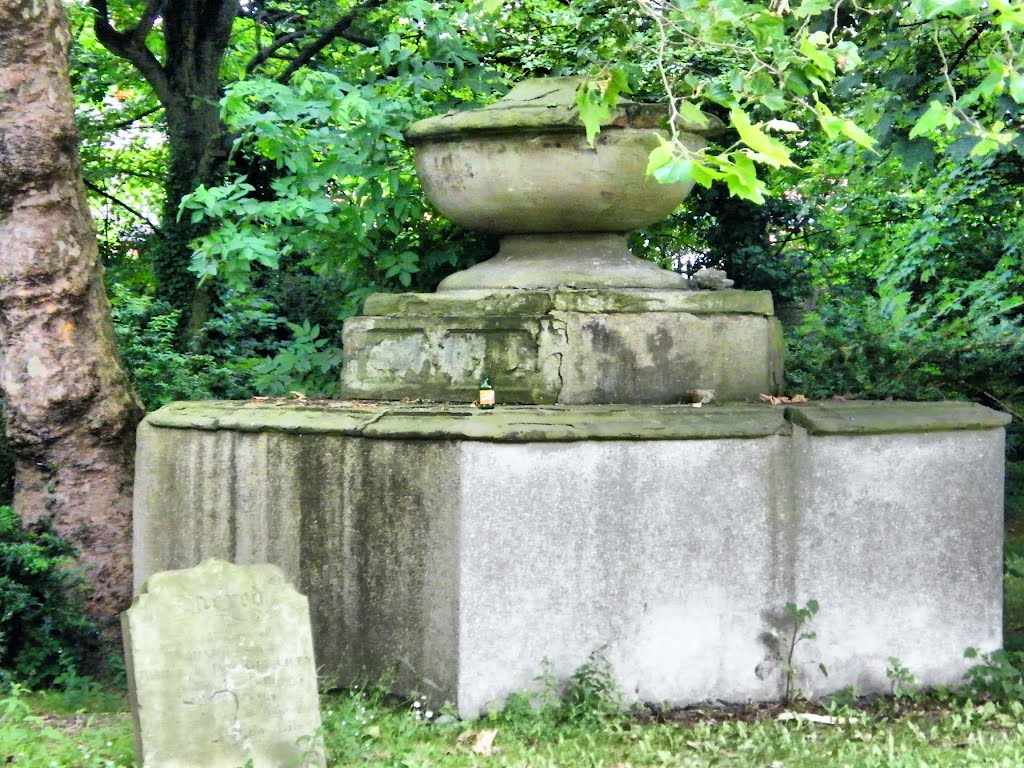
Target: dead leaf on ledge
(783,399)
(701,396)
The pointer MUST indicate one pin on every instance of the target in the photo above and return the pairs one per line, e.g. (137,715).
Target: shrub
(44,634)
(887,346)
(146,331)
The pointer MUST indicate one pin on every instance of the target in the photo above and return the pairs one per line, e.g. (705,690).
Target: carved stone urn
(564,313)
(522,168)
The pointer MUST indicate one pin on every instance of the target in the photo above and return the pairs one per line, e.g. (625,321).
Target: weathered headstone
(221,671)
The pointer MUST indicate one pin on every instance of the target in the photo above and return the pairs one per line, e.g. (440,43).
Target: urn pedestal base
(564,346)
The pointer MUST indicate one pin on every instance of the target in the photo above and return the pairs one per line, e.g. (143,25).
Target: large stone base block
(453,551)
(564,346)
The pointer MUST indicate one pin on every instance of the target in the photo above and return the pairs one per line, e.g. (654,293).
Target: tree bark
(71,413)
(187,82)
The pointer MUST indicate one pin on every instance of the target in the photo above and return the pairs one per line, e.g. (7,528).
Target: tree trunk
(71,413)
(187,82)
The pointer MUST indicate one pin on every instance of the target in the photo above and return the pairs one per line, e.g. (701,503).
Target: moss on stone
(503,424)
(692,302)
(565,423)
(544,104)
(482,303)
(471,303)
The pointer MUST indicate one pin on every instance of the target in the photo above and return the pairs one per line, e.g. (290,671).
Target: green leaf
(932,8)
(938,115)
(809,49)
(678,170)
(593,111)
(1017,87)
(812,8)
(691,113)
(704,174)
(740,176)
(858,134)
(596,100)
(986,146)
(774,100)
(769,150)
(660,156)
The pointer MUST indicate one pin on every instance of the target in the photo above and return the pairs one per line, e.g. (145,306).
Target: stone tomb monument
(221,671)
(453,549)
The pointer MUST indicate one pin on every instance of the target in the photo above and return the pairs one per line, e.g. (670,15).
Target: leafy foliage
(246,349)
(306,366)
(593,692)
(341,195)
(44,635)
(996,675)
(888,347)
(146,332)
(774,70)
(888,230)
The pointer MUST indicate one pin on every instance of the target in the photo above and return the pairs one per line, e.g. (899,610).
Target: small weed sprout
(786,639)
(548,697)
(593,692)
(901,679)
(842,699)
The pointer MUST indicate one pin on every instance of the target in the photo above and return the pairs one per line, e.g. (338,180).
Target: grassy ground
(360,730)
(87,726)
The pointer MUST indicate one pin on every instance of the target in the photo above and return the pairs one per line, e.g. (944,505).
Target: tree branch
(1005,406)
(142,29)
(979,29)
(340,28)
(267,53)
(120,124)
(131,47)
(111,198)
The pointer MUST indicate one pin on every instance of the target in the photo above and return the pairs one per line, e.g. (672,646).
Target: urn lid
(539,105)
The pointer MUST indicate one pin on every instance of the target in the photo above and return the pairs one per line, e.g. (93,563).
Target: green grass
(959,734)
(363,730)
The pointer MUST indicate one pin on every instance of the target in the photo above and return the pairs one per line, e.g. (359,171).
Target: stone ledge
(872,417)
(511,424)
(482,303)
(527,424)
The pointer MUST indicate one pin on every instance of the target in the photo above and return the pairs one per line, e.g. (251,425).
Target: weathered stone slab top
(873,417)
(484,303)
(438,421)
